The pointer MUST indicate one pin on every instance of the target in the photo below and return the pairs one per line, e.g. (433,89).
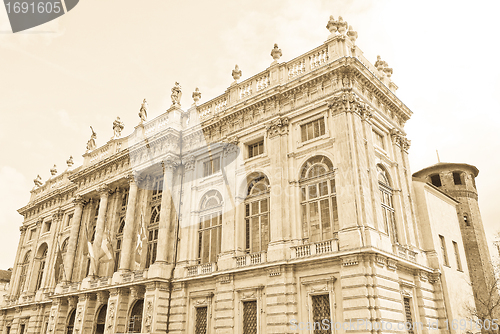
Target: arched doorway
(135,320)
(101,320)
(71,322)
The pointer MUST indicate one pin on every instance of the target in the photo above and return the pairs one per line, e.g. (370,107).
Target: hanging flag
(141,236)
(59,265)
(89,251)
(107,247)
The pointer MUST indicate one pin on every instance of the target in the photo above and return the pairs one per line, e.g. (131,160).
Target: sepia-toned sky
(104,57)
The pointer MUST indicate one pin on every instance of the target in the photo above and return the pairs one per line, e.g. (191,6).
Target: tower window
(436,180)
(466,220)
(457,178)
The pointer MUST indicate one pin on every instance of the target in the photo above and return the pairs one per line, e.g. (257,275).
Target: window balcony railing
(405,253)
(251,259)
(315,248)
(201,269)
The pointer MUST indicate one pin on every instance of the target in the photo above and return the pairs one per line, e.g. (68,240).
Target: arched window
(64,249)
(135,319)
(387,206)
(24,272)
(257,215)
(119,240)
(101,320)
(42,256)
(71,322)
(209,230)
(320,219)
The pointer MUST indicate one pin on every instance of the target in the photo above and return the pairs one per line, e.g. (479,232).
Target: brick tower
(458,181)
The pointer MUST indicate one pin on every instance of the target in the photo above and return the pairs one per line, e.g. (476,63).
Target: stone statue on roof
(118,126)
(91,143)
(143,113)
(176,94)
(38,181)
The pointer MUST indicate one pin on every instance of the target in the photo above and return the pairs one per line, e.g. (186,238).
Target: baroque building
(284,202)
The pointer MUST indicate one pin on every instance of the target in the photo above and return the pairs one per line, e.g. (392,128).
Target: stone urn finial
(70,162)
(353,35)
(236,73)
(332,26)
(196,96)
(143,112)
(53,170)
(276,53)
(342,25)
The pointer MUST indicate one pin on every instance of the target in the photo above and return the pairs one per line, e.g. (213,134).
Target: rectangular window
(32,233)
(201,320)
(457,256)
(7,330)
(250,317)
(443,250)
(320,312)
(70,220)
(47,226)
(212,166)
(312,129)
(457,178)
(22,328)
(157,191)
(256,149)
(408,317)
(152,247)
(378,140)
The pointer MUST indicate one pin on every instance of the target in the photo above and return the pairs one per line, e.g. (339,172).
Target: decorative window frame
(208,158)
(315,286)
(298,125)
(253,293)
(253,140)
(407,290)
(201,299)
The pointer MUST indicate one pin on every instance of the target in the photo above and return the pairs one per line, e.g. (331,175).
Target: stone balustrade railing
(315,248)
(250,259)
(201,269)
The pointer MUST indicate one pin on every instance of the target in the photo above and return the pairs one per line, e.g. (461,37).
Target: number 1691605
(30,7)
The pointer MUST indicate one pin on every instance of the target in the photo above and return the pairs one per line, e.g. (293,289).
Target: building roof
(450,166)
(5,275)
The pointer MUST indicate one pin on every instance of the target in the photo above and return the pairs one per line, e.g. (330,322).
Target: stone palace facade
(284,202)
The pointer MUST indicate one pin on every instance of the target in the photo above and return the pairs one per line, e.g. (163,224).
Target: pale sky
(104,57)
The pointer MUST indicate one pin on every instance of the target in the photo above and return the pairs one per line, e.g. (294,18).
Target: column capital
(104,190)
(277,127)
(131,178)
(58,215)
(169,164)
(189,162)
(78,200)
